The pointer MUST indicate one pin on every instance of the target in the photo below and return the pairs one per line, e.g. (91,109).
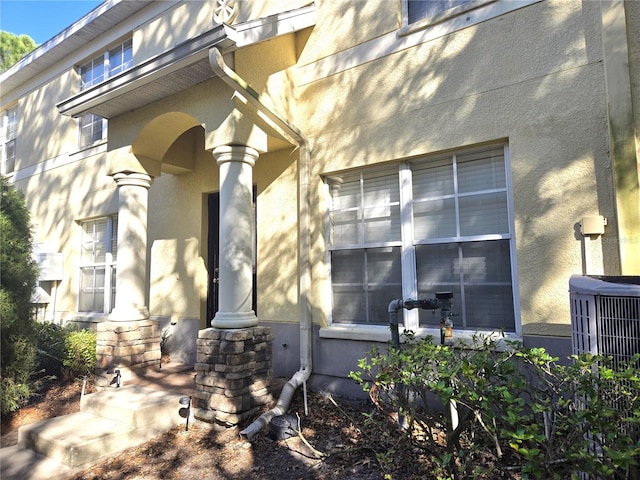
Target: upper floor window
(420,227)
(452,15)
(9,131)
(106,65)
(434,10)
(112,62)
(98,265)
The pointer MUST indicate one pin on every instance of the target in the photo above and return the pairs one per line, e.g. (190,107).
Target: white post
(131,263)
(236,239)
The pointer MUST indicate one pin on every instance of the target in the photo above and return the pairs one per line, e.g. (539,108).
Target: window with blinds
(433,224)
(366,241)
(441,17)
(432,9)
(106,65)
(9,133)
(98,265)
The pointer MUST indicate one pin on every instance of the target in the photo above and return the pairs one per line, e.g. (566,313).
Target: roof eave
(61,45)
(123,92)
(158,67)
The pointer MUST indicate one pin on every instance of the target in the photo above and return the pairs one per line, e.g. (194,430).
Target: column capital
(133,179)
(235,153)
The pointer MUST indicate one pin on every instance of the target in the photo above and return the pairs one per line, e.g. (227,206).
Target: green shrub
(80,356)
(16,377)
(51,348)
(517,409)
(12,395)
(17,282)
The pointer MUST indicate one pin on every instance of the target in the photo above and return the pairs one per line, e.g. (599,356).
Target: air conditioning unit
(605,316)
(605,320)
(50,266)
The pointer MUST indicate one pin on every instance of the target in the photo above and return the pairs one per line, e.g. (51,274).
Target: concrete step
(136,406)
(75,439)
(18,463)
(109,422)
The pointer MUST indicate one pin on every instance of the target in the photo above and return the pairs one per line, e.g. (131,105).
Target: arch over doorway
(169,140)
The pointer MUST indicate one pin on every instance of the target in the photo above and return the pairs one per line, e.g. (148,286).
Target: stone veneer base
(130,347)
(233,374)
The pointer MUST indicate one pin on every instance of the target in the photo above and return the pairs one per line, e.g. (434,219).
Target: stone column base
(131,348)
(233,374)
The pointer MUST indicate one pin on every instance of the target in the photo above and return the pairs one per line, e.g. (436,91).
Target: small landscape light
(185,410)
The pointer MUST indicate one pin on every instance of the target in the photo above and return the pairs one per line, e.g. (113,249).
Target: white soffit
(181,67)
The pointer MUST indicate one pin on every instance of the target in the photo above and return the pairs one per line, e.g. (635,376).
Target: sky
(42,19)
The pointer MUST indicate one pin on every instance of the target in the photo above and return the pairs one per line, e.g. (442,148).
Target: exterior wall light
(590,226)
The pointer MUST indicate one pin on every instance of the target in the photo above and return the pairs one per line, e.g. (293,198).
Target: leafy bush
(12,395)
(17,282)
(51,348)
(80,356)
(515,409)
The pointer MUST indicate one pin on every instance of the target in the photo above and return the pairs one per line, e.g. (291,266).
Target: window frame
(9,138)
(95,122)
(458,17)
(411,318)
(103,60)
(109,264)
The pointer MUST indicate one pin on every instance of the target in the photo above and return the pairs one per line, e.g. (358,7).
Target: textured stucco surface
(533,78)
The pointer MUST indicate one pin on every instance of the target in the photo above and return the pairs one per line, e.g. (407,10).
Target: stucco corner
(123,160)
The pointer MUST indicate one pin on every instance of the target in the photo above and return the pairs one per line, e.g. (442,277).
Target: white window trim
(103,140)
(439,17)
(382,333)
(106,65)
(5,139)
(109,265)
(459,17)
(402,39)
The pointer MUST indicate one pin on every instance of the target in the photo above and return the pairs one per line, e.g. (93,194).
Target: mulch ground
(331,442)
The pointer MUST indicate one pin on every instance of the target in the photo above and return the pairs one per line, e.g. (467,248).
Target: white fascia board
(259,30)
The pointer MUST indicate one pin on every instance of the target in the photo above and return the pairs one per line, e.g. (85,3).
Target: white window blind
(456,218)
(112,62)
(120,58)
(9,134)
(429,9)
(97,265)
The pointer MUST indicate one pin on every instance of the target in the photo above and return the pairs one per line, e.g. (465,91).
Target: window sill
(382,334)
(93,149)
(462,17)
(96,317)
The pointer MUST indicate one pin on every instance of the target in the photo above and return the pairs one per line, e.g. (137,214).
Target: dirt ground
(332,445)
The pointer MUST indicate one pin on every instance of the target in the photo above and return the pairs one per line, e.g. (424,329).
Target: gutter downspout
(295,137)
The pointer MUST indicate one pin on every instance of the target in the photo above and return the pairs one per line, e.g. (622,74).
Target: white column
(131,263)
(236,240)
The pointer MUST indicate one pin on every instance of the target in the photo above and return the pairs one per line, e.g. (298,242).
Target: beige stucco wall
(58,199)
(632,10)
(42,132)
(182,22)
(177,240)
(500,80)
(543,93)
